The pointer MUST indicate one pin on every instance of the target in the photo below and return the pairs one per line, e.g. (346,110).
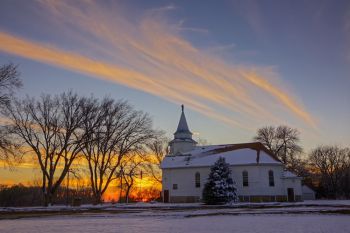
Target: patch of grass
(50,213)
(342,211)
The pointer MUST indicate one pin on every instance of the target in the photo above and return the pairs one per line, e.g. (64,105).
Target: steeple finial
(182,127)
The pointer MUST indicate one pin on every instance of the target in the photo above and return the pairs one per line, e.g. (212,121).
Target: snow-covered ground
(131,224)
(308,217)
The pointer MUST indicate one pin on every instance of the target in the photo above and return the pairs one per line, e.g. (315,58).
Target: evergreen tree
(220,188)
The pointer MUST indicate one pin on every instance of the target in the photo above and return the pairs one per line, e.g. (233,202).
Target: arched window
(245,178)
(271,178)
(197,178)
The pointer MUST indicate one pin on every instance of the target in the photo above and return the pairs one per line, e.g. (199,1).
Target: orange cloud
(282,97)
(152,56)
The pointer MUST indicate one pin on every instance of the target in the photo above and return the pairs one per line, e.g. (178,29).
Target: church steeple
(182,141)
(182,126)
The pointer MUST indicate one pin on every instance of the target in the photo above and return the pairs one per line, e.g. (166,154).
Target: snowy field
(246,223)
(308,217)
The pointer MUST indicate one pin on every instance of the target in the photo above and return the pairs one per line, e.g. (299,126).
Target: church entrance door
(290,194)
(166,196)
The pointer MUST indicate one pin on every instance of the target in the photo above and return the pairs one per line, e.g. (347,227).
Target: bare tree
(10,152)
(115,130)
(158,148)
(333,164)
(202,142)
(283,141)
(9,82)
(50,128)
(131,167)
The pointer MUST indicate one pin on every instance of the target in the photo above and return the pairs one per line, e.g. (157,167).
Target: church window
(245,178)
(197,178)
(271,178)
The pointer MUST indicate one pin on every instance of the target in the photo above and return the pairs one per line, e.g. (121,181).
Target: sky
(235,65)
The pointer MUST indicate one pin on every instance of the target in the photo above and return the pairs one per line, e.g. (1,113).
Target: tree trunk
(48,199)
(127,194)
(98,198)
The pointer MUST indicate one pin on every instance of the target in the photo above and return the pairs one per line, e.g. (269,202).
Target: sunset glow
(236,66)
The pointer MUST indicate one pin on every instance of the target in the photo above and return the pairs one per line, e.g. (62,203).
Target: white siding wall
(258,180)
(295,184)
(257,176)
(308,193)
(185,180)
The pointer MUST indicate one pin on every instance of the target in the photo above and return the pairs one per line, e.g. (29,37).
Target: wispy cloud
(180,26)
(153,56)
(165,8)
(222,48)
(192,29)
(250,12)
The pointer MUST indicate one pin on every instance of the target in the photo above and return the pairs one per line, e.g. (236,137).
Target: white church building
(258,174)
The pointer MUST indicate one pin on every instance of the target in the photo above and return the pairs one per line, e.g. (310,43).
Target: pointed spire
(182,141)
(182,127)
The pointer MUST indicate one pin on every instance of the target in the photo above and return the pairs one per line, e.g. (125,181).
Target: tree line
(24,195)
(109,136)
(325,168)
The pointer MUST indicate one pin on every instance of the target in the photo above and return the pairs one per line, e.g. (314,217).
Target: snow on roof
(234,154)
(288,174)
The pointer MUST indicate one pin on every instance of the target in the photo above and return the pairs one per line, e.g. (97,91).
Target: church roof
(182,126)
(234,154)
(288,174)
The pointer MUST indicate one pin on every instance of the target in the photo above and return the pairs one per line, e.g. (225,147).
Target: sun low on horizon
(235,65)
